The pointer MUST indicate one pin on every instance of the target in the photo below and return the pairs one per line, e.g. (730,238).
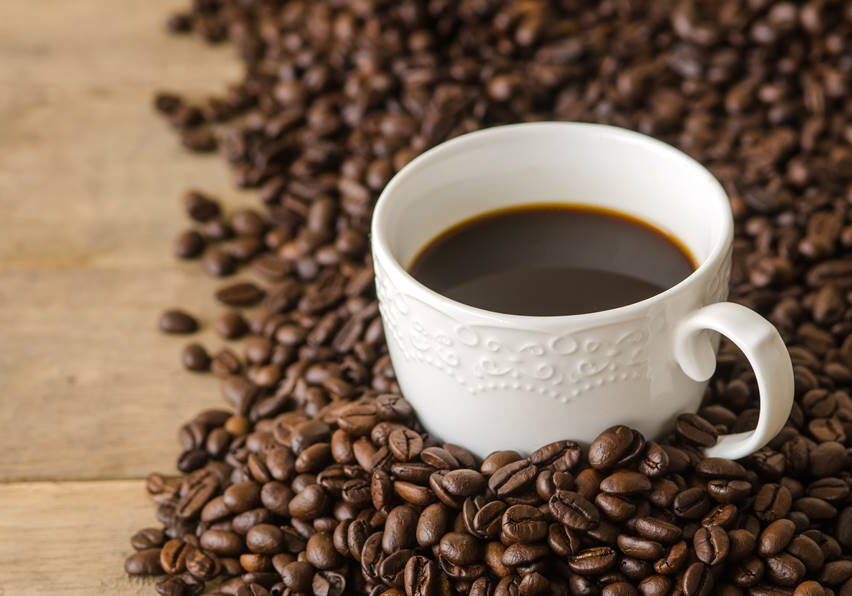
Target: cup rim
(381,250)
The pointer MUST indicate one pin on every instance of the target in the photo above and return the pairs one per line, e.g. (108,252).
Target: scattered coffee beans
(317,477)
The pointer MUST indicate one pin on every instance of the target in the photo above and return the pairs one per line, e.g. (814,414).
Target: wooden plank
(89,186)
(70,538)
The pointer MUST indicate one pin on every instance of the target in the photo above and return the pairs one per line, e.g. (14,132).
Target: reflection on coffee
(551,259)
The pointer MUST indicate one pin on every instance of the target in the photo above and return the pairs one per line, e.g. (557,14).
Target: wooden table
(91,395)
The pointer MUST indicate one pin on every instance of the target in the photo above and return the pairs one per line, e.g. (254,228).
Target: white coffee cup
(487,380)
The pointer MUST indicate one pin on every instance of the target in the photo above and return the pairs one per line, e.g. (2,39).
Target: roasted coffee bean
(695,430)
(231,325)
(463,483)
(697,579)
(775,537)
(655,585)
(512,478)
(562,456)
(573,511)
(200,565)
(691,503)
(189,245)
(434,521)
(640,548)
(422,577)
(400,529)
(405,444)
(173,556)
(616,445)
(656,529)
(218,263)
(593,561)
(496,460)
(144,562)
(147,538)
(615,507)
(711,545)
(807,551)
(772,502)
(195,358)
(265,539)
(200,206)
(741,544)
(240,294)
(320,552)
(674,559)
(482,518)
(563,541)
(221,542)
(785,569)
(176,321)
(460,549)
(298,576)
(809,588)
(521,523)
(625,482)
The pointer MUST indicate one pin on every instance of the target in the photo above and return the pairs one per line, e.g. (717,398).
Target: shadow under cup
(489,380)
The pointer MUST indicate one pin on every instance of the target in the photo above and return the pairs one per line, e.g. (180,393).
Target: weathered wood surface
(90,393)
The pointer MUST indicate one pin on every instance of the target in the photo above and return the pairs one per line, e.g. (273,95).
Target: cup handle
(765,350)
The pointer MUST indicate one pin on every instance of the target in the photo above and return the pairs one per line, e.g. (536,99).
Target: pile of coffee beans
(318,479)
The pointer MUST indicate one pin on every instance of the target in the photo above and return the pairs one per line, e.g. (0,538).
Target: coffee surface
(550,259)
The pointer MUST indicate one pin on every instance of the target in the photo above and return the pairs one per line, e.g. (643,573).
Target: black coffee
(549,259)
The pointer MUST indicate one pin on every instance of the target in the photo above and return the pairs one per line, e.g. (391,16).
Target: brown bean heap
(318,478)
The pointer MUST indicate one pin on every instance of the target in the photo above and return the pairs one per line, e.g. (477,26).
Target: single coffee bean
(697,579)
(195,358)
(176,321)
(189,245)
(173,556)
(693,429)
(808,552)
(656,529)
(711,545)
(691,503)
(512,478)
(775,537)
(147,538)
(221,542)
(741,544)
(460,549)
(640,548)
(463,482)
(496,460)
(522,523)
(613,446)
(573,511)
(320,552)
(422,577)
(144,562)
(785,569)
(200,207)
(625,482)
(218,263)
(231,325)
(400,529)
(593,561)
(240,294)
(809,588)
(434,521)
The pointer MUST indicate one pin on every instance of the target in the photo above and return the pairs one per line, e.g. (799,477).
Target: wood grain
(90,392)
(70,538)
(89,185)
